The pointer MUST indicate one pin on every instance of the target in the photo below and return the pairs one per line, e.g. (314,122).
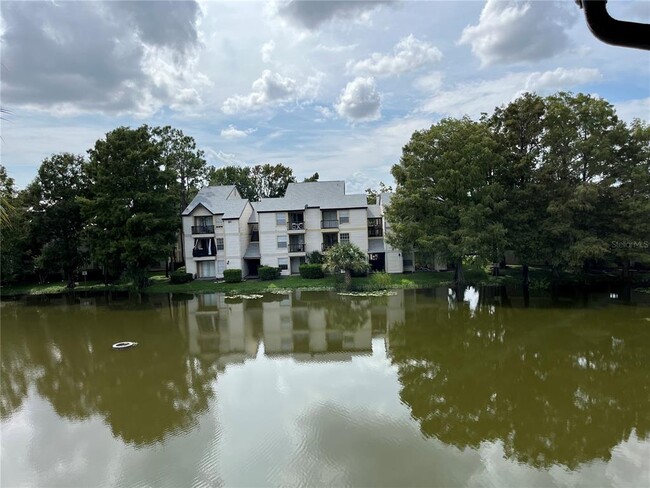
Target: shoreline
(540,280)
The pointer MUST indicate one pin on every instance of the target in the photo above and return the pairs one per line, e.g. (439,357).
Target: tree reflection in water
(73,366)
(554,386)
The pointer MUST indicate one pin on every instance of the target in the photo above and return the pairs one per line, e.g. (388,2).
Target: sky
(334,87)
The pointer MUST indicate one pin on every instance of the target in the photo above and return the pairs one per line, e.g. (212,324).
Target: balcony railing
(375,232)
(203,229)
(327,245)
(200,253)
(297,247)
(329,224)
(295,226)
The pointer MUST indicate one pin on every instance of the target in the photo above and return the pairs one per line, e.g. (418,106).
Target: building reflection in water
(308,326)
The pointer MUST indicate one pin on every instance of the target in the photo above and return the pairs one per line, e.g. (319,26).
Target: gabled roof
(219,200)
(384,199)
(318,194)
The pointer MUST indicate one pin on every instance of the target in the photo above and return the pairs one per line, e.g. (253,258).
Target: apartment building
(216,232)
(222,230)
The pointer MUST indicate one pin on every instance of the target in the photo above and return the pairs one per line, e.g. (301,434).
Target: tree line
(118,208)
(558,180)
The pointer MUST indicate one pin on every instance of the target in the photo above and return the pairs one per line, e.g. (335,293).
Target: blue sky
(333,87)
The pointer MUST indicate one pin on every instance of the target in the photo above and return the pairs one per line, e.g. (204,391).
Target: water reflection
(65,353)
(554,386)
(557,383)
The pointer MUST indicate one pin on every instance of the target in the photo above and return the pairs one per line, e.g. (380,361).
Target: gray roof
(252,251)
(374,211)
(376,245)
(384,199)
(219,200)
(253,218)
(319,194)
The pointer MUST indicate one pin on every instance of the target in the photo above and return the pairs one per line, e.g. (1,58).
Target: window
(280,218)
(282,242)
(219,244)
(283,263)
(203,221)
(344,216)
(206,269)
(345,238)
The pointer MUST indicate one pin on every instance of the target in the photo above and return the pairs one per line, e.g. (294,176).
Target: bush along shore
(540,279)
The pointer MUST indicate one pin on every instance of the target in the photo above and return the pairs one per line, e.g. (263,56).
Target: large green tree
(582,140)
(131,213)
(518,130)
(256,182)
(448,199)
(56,221)
(180,155)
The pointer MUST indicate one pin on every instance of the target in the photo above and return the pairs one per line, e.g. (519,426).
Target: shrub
(315,257)
(179,277)
(311,271)
(381,281)
(232,275)
(267,273)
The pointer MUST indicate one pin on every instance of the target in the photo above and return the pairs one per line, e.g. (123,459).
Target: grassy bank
(540,278)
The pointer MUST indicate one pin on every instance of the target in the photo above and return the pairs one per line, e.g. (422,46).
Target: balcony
(326,245)
(299,226)
(329,224)
(201,253)
(300,247)
(375,232)
(203,229)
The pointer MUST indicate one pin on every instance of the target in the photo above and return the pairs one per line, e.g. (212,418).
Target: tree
(180,155)
(441,204)
(56,222)
(312,178)
(582,139)
(518,129)
(373,194)
(346,258)
(271,180)
(234,175)
(7,194)
(628,198)
(13,231)
(254,183)
(131,212)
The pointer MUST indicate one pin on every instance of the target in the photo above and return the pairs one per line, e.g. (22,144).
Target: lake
(435,387)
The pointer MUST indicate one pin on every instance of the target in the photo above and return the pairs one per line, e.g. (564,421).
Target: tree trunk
(525,276)
(459,277)
(495,269)
(348,279)
(626,269)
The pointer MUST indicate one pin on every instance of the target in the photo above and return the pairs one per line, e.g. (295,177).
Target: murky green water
(416,389)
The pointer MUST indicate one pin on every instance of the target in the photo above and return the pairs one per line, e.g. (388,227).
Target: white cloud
(475,97)
(325,113)
(267,51)
(360,100)
(409,54)
(513,31)
(633,109)
(273,90)
(269,89)
(314,13)
(231,132)
(335,48)
(429,83)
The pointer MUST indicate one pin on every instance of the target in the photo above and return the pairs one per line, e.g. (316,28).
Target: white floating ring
(124,345)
